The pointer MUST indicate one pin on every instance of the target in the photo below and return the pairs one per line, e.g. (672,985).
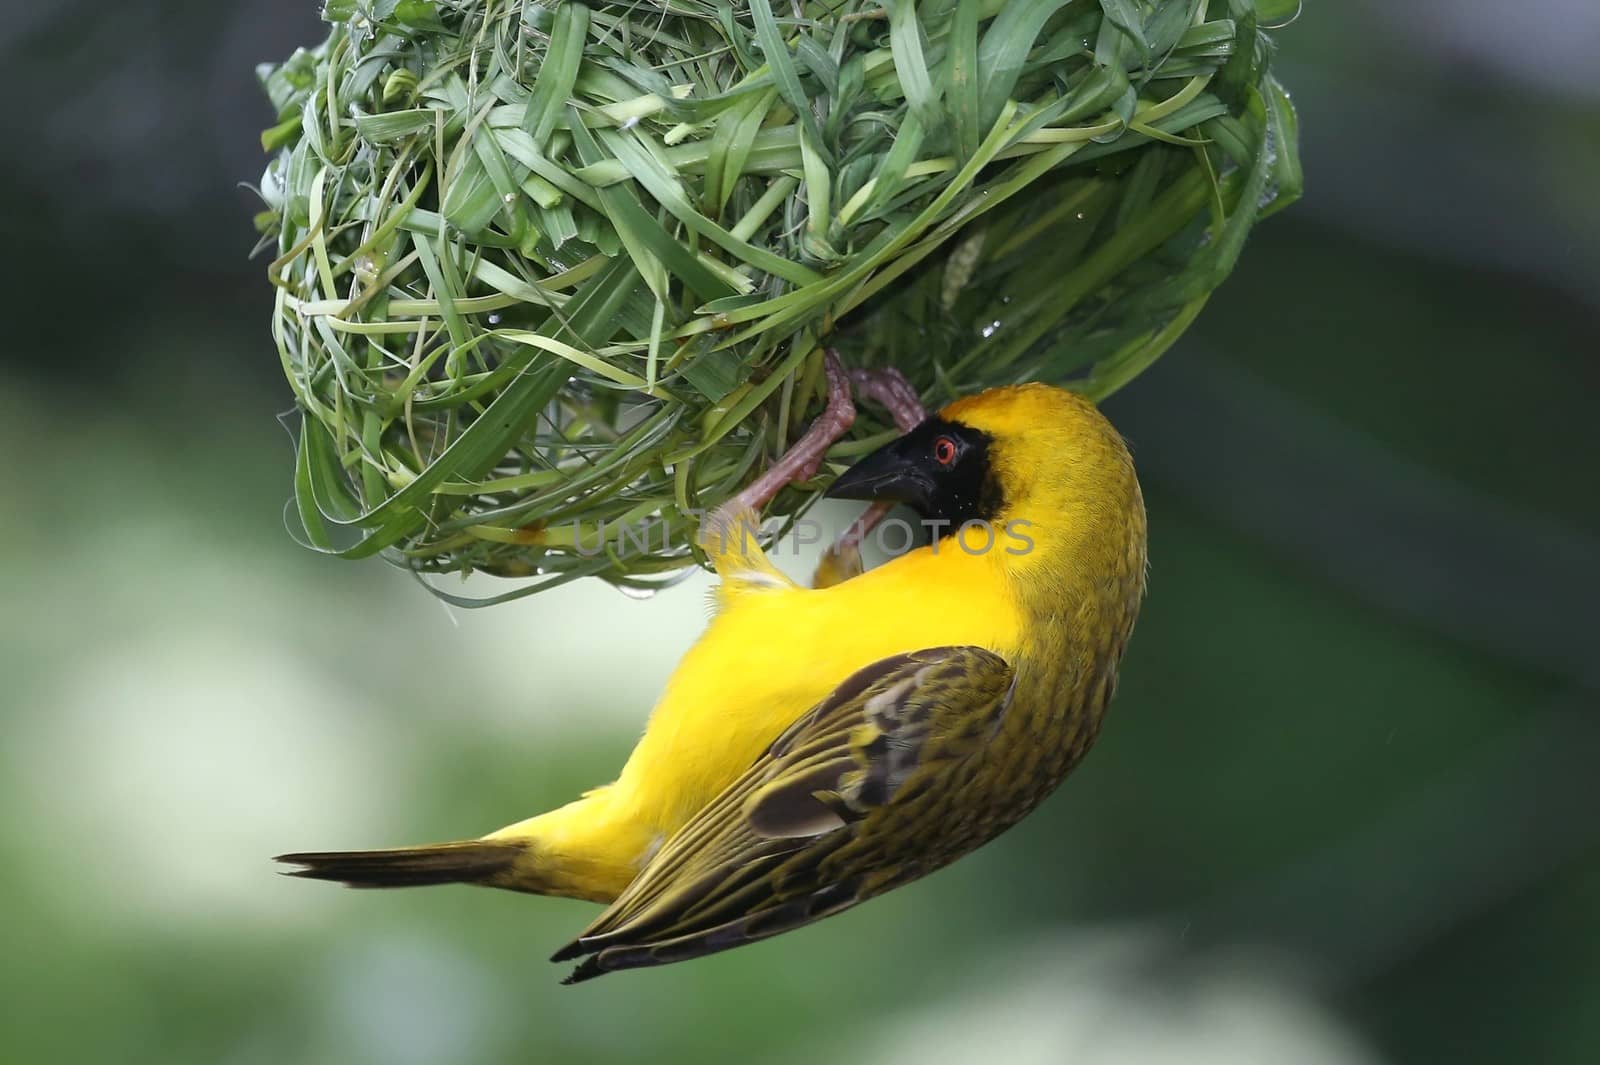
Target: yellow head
(1032,460)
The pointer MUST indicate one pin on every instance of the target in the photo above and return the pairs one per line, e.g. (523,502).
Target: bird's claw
(885,386)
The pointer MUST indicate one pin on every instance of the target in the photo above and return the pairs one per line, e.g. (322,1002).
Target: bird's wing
(861,793)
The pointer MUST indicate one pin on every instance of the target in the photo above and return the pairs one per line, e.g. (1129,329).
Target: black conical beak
(896,472)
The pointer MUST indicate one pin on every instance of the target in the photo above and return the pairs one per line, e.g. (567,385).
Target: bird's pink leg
(889,388)
(729,533)
(801,462)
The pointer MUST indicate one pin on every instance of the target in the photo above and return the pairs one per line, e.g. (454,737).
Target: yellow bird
(819,746)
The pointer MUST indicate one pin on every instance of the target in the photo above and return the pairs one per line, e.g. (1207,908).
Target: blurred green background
(1345,808)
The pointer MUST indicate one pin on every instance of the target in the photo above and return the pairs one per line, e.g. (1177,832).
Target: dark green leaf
(1126,16)
(1005,47)
(552,89)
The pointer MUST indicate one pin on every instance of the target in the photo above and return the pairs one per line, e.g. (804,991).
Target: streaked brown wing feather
(844,805)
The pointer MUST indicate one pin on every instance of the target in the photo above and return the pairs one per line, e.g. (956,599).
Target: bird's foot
(888,387)
(801,462)
(729,533)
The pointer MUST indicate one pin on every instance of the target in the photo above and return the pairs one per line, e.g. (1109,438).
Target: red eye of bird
(944,451)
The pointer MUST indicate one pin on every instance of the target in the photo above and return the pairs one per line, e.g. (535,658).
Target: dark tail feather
(468,862)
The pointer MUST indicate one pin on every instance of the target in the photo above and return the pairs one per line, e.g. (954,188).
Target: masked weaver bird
(819,746)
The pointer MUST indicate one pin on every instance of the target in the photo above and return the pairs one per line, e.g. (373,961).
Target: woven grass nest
(544,267)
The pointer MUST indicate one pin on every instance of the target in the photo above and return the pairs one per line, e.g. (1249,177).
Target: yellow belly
(771,654)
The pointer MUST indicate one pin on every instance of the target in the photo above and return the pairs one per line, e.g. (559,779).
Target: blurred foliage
(1342,811)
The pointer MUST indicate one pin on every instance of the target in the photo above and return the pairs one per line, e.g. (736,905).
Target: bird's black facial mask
(940,469)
